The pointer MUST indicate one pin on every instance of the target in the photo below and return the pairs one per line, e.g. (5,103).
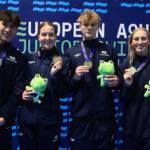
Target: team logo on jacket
(55,138)
(77,55)
(104,53)
(12,58)
(31,62)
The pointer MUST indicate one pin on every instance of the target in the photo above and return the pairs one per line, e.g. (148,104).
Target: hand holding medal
(57,61)
(128,77)
(88,64)
(80,71)
(132,70)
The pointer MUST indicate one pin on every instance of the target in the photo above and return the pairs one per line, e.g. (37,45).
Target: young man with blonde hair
(93,122)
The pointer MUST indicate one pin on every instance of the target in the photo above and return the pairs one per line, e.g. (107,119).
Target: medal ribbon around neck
(3,58)
(88,61)
(142,65)
(85,54)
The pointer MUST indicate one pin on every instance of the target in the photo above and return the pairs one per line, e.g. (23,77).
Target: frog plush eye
(37,75)
(102,61)
(111,62)
(45,80)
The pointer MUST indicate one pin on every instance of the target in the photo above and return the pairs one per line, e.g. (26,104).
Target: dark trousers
(92,135)
(133,143)
(5,138)
(34,137)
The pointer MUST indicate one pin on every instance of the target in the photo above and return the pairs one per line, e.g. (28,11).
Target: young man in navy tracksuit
(93,124)
(11,76)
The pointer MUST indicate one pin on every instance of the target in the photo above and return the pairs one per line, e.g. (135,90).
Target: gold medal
(132,70)
(55,59)
(1,62)
(88,64)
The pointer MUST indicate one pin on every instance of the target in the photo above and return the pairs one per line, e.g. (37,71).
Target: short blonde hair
(89,16)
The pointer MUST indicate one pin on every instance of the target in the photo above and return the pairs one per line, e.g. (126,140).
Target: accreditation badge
(88,64)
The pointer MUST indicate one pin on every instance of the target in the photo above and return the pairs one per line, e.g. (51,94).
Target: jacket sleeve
(72,81)
(61,80)
(8,110)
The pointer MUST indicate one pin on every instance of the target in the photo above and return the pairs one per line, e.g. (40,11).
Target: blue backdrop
(119,19)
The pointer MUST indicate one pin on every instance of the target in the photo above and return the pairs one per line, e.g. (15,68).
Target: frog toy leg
(147,93)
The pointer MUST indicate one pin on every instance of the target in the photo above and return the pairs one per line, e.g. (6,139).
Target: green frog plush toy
(38,84)
(105,68)
(147,93)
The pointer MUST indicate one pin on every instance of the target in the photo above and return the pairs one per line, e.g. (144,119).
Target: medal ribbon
(85,54)
(3,56)
(143,64)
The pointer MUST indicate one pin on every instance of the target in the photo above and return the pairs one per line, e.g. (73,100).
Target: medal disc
(1,62)
(88,64)
(133,70)
(55,59)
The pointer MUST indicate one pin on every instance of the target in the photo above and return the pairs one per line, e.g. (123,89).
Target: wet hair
(10,16)
(89,16)
(55,49)
(47,23)
(131,50)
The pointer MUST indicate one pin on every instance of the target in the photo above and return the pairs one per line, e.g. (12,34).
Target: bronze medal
(88,64)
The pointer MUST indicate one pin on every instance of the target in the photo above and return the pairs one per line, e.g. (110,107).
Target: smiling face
(7,31)
(140,43)
(47,36)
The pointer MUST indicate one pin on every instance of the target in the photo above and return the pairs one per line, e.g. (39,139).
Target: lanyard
(3,57)
(85,54)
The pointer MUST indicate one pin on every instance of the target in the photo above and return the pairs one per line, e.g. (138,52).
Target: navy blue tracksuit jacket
(11,82)
(48,112)
(90,101)
(136,116)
